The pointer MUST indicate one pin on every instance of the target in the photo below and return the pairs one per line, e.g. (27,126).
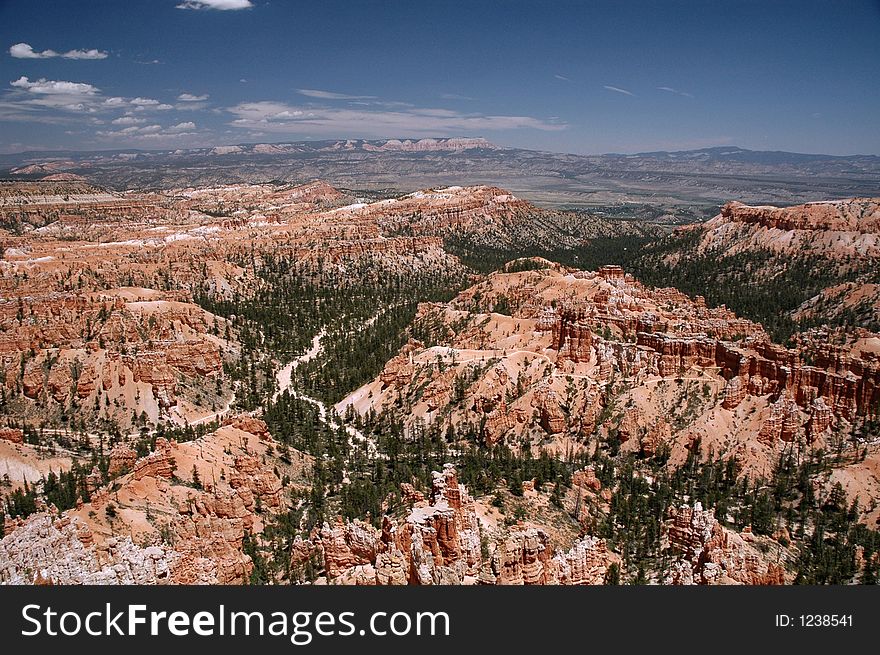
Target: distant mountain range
(676,181)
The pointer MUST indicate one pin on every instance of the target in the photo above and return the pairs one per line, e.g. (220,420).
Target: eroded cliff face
(442,540)
(98,322)
(854,216)
(712,554)
(438,542)
(597,354)
(108,355)
(827,249)
(176,516)
(98,317)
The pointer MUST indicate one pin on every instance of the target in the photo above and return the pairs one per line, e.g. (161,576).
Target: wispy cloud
(330,95)
(280,117)
(617,89)
(669,89)
(83,106)
(222,5)
(562,77)
(26,51)
(154,134)
(54,101)
(189,97)
(455,96)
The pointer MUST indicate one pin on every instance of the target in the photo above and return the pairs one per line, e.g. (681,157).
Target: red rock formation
(526,557)
(734,393)
(152,369)
(553,418)
(586,478)
(523,558)
(399,370)
(158,464)
(857,215)
(587,563)
(194,357)
(656,437)
(32,381)
(820,419)
(631,425)
(711,554)
(198,531)
(249,474)
(345,545)
(60,381)
(13,435)
(87,382)
(611,272)
(783,422)
(571,337)
(247,423)
(122,459)
(439,543)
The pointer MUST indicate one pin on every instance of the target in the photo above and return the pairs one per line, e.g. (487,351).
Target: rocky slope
(568,356)
(577,422)
(177,516)
(98,314)
(483,217)
(438,541)
(836,230)
(789,267)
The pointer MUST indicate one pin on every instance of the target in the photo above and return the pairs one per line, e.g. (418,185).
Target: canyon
(295,383)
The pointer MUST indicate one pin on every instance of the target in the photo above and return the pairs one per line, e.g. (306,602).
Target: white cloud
(617,89)
(34,98)
(149,104)
(562,77)
(222,5)
(85,54)
(50,101)
(25,51)
(128,120)
(53,87)
(283,118)
(330,95)
(182,127)
(189,97)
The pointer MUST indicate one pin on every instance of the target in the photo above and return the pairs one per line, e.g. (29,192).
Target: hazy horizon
(405,138)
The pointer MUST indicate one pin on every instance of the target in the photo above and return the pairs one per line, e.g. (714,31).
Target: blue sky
(583,77)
